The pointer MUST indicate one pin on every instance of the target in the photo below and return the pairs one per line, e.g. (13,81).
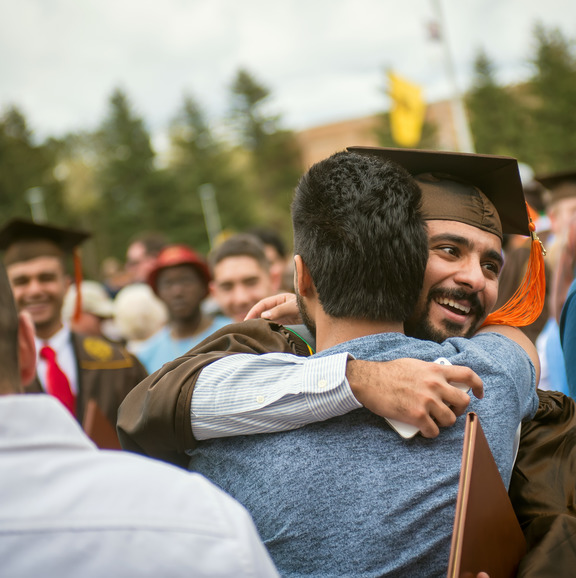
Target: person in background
(96,312)
(278,257)
(561,209)
(114,276)
(241,275)
(180,278)
(138,314)
(517,251)
(564,299)
(68,509)
(141,255)
(74,368)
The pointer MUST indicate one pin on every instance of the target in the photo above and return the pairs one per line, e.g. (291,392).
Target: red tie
(57,383)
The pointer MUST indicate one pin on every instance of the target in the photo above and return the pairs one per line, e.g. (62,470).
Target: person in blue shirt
(180,278)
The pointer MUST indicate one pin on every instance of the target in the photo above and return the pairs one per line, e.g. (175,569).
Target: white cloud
(322,59)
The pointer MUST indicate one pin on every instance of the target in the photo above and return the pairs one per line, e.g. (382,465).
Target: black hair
(152,241)
(270,237)
(240,245)
(358,228)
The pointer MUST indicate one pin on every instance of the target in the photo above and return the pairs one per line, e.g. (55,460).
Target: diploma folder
(487,536)
(98,428)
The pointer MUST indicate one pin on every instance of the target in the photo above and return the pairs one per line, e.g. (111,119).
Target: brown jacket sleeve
(543,488)
(154,419)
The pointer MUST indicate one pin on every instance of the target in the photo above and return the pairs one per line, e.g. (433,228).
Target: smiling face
(39,286)
(239,283)
(460,284)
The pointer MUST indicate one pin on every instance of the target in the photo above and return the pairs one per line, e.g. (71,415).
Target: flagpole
(459,116)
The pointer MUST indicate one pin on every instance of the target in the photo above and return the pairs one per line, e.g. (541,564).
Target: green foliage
(534,121)
(128,184)
(25,165)
(274,156)
(111,182)
(199,158)
(554,88)
(498,121)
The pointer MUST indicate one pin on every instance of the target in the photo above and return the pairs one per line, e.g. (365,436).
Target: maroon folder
(487,536)
(98,428)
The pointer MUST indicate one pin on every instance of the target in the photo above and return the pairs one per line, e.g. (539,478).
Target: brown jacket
(106,373)
(154,420)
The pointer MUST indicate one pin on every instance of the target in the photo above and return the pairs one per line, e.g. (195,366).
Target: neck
(331,331)
(190,326)
(45,332)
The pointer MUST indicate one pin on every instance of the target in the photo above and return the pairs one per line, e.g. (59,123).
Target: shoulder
(492,353)
(160,336)
(98,353)
(254,336)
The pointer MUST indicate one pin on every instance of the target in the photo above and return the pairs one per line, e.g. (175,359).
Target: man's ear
(26,348)
(302,277)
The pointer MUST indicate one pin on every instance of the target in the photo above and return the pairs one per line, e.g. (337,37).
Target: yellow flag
(407,112)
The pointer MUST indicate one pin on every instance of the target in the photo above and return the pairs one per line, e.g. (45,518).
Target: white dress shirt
(61,343)
(68,509)
(245,394)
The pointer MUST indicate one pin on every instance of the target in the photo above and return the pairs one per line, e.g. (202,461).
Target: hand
(413,391)
(281,308)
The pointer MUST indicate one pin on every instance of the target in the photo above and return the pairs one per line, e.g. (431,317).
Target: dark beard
(306,319)
(420,327)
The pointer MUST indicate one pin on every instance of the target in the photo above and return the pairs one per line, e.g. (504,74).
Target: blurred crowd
(167,297)
(551,201)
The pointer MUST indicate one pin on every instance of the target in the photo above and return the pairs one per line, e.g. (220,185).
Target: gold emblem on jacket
(98,348)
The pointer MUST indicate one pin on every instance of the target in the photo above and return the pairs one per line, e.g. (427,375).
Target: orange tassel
(78,282)
(525,306)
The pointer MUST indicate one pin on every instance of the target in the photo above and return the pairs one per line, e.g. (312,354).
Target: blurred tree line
(112,182)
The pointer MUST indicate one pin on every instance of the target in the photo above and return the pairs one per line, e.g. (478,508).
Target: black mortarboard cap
(22,240)
(496,177)
(559,185)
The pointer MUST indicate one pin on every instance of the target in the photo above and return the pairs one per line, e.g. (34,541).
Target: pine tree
(200,158)
(554,88)
(273,151)
(126,177)
(498,118)
(25,168)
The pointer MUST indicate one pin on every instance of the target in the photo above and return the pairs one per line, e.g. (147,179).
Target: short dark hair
(152,241)
(270,237)
(8,335)
(240,245)
(358,228)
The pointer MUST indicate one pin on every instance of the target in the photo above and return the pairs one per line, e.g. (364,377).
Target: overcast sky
(323,60)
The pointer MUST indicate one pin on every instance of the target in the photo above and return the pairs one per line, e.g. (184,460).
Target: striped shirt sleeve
(247,394)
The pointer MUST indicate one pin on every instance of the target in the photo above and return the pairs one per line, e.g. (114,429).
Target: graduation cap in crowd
(484,191)
(559,185)
(23,240)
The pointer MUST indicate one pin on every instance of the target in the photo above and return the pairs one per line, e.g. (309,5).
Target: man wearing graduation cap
(340,497)
(76,369)
(406,389)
